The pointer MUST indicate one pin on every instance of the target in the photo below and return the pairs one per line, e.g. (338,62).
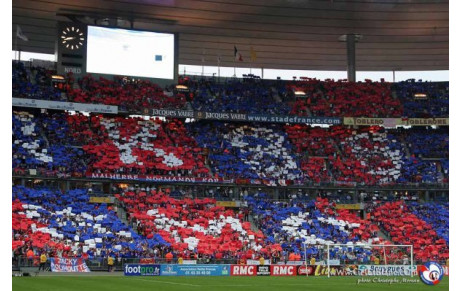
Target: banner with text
(62,265)
(386,270)
(195,270)
(107,200)
(243,270)
(393,122)
(155,178)
(141,270)
(173,179)
(356,206)
(227,116)
(427,121)
(58,105)
(283,270)
(229,203)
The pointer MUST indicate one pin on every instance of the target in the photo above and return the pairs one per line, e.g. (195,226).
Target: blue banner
(141,270)
(195,270)
(293,119)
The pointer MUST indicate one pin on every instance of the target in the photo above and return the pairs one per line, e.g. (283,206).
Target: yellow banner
(348,206)
(100,200)
(349,121)
(388,122)
(392,122)
(226,203)
(427,121)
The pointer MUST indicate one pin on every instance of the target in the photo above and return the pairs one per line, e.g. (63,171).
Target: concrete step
(309,114)
(253,224)
(276,96)
(382,235)
(42,134)
(121,213)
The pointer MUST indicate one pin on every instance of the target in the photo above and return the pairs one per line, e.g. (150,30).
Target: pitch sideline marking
(168,282)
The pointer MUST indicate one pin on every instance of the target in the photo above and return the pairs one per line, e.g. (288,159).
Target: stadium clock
(72,37)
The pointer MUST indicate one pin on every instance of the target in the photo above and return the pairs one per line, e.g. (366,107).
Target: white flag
(20,34)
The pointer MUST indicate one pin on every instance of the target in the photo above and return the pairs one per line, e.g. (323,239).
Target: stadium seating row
(69,225)
(319,98)
(193,225)
(405,227)
(66,224)
(75,145)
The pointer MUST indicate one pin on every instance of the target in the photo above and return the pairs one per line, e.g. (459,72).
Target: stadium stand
(137,146)
(404,227)
(429,149)
(175,221)
(435,104)
(313,222)
(313,146)
(44,144)
(436,214)
(68,225)
(342,98)
(247,151)
(319,98)
(249,96)
(130,95)
(192,226)
(34,82)
(75,145)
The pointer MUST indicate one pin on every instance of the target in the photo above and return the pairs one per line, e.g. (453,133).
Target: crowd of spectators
(193,227)
(435,104)
(64,144)
(312,223)
(247,151)
(43,143)
(436,214)
(137,146)
(34,83)
(342,98)
(130,95)
(248,96)
(370,155)
(163,228)
(406,228)
(68,225)
(319,98)
(313,146)
(428,143)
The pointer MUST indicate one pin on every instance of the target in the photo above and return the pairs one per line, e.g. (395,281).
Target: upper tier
(249,96)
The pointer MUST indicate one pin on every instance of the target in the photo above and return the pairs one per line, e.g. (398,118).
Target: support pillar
(351,60)
(351,40)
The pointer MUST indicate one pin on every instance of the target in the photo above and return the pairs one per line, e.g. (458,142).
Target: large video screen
(130,53)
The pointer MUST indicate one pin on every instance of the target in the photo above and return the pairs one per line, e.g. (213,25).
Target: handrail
(305,185)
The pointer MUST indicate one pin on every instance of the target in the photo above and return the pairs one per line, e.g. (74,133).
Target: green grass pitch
(114,283)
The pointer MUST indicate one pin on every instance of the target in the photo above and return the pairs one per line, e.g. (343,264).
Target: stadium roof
(285,34)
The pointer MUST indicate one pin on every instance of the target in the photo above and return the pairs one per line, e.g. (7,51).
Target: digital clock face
(72,38)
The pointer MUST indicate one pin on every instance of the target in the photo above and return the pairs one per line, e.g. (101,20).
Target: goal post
(349,257)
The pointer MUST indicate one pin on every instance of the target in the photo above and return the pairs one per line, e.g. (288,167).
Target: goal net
(359,260)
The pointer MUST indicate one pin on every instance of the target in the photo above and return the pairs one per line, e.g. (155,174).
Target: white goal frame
(329,245)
